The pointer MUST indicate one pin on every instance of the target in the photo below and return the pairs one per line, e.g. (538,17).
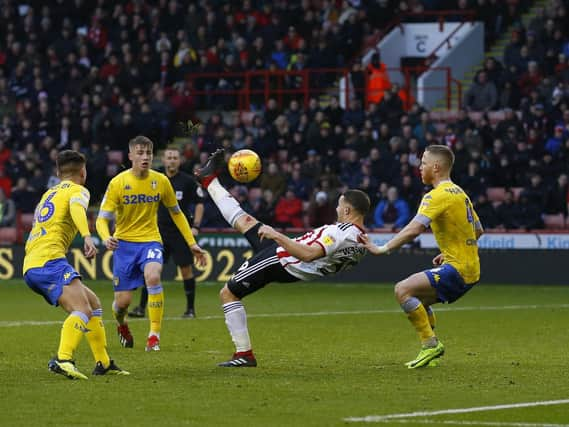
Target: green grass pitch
(328,354)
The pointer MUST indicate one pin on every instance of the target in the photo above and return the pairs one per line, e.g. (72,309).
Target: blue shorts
(447,282)
(49,280)
(129,260)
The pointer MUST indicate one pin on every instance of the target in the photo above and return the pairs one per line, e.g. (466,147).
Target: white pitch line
(383,418)
(474,423)
(15,323)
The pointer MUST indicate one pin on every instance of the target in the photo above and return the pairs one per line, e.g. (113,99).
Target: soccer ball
(244,166)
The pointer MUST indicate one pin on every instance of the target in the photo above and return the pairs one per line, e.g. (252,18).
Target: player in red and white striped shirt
(277,258)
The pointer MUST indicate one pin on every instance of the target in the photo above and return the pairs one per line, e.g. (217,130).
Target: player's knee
(152,278)
(225,295)
(401,291)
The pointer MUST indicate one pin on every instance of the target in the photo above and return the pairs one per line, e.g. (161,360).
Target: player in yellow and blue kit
(456,226)
(59,215)
(131,200)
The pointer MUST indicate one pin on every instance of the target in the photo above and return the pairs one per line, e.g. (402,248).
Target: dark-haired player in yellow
(58,216)
(456,226)
(132,199)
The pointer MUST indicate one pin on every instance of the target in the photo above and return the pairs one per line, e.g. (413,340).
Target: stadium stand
(91,75)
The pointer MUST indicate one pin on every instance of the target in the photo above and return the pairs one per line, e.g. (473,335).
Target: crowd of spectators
(91,75)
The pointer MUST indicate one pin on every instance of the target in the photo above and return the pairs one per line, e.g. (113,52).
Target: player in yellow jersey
(59,215)
(456,226)
(131,200)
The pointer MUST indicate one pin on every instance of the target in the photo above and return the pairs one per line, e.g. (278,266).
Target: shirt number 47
(154,254)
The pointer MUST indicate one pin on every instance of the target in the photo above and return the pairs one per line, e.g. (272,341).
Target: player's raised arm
(301,251)
(406,235)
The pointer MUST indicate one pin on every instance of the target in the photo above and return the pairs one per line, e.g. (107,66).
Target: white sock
(236,321)
(227,205)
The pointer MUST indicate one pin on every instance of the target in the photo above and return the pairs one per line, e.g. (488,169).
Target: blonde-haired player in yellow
(456,226)
(60,213)
(131,200)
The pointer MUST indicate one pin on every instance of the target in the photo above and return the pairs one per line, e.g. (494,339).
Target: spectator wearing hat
(391,211)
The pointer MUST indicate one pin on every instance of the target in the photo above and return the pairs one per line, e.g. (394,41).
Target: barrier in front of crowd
(250,90)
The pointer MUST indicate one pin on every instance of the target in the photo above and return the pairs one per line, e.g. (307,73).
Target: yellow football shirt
(449,212)
(133,203)
(53,228)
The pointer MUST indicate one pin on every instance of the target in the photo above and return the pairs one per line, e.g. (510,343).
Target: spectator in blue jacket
(391,211)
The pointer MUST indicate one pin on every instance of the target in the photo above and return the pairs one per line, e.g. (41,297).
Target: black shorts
(175,245)
(261,269)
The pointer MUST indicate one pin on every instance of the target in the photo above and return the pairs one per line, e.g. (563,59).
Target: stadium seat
(115,157)
(495,194)
(556,221)
(8,235)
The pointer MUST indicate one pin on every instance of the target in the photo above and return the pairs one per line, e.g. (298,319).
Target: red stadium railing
(244,90)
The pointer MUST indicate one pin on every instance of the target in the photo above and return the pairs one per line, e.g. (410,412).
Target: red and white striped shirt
(341,249)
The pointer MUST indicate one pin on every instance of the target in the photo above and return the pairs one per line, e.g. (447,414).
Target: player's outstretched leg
(227,205)
(212,168)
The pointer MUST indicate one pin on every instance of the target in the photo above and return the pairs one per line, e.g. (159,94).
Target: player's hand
(438,260)
(267,232)
(199,254)
(363,239)
(89,247)
(111,243)
(195,231)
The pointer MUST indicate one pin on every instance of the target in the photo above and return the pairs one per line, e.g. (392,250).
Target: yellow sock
(71,333)
(155,308)
(417,315)
(432,317)
(97,338)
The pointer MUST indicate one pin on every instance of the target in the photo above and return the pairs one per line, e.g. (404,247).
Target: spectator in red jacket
(288,212)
